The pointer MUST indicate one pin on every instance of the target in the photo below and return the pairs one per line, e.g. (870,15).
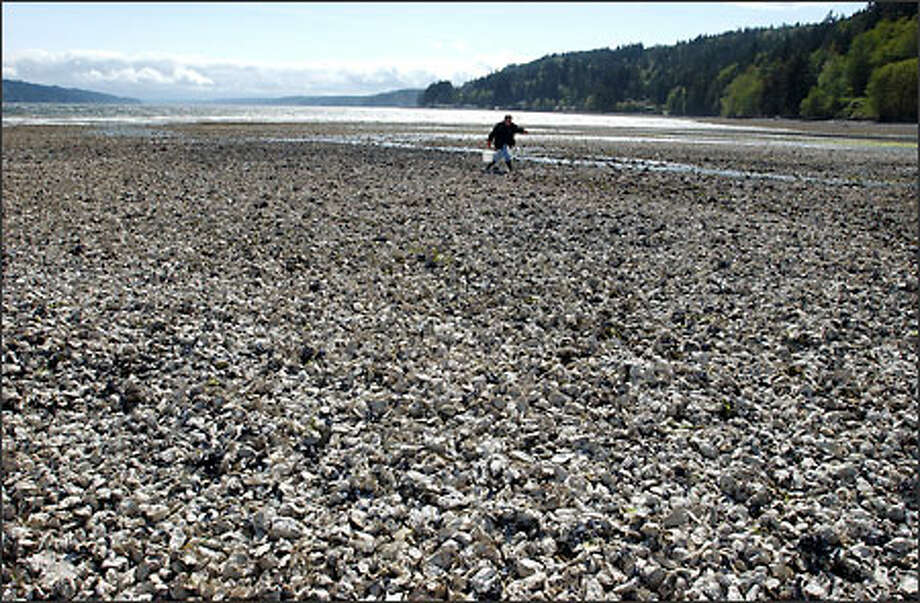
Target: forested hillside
(862,67)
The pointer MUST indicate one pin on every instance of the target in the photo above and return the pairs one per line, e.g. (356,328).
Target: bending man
(502,135)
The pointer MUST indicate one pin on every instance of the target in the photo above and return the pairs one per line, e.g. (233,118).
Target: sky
(218,50)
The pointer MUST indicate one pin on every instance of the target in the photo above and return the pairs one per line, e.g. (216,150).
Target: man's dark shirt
(503,134)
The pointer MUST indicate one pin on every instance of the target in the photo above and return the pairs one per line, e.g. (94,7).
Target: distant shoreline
(829,127)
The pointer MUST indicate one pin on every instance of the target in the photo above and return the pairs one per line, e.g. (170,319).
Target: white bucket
(487,156)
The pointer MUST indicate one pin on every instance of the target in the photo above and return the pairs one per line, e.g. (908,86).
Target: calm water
(88,114)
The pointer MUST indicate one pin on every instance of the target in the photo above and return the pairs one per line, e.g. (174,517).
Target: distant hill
(16,91)
(397,98)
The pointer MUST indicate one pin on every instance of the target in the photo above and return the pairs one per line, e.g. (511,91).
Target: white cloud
(155,76)
(126,75)
(185,74)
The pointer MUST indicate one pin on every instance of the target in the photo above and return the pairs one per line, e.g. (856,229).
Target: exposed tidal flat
(338,361)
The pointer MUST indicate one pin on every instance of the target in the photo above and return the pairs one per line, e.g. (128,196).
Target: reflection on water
(609,162)
(93,114)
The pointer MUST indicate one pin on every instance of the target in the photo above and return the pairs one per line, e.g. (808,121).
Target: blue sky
(187,50)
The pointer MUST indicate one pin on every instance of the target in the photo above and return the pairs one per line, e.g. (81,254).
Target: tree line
(861,67)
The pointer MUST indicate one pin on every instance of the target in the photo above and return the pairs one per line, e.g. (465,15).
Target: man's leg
(493,164)
(506,155)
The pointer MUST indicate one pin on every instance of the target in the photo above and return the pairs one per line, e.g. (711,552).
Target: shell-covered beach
(270,361)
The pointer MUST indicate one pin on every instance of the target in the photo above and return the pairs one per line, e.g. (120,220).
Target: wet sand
(241,362)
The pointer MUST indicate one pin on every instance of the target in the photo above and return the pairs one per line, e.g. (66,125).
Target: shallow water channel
(543,155)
